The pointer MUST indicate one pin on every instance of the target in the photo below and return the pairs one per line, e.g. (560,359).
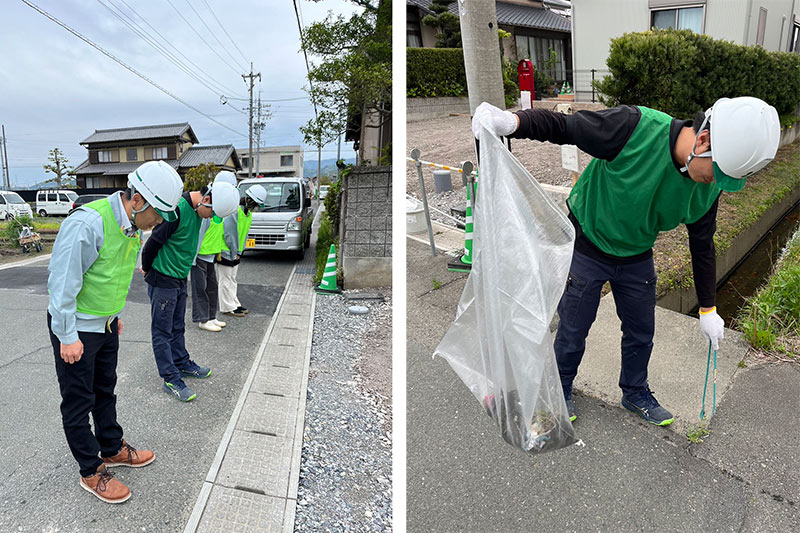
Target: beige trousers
(226,280)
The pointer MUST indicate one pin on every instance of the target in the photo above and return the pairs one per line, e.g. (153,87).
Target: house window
(104,156)
(160,152)
(245,161)
(413,33)
(537,49)
(684,18)
(794,45)
(762,26)
(131,154)
(287,160)
(180,148)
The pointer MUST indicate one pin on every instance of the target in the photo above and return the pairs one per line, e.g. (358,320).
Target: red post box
(525,71)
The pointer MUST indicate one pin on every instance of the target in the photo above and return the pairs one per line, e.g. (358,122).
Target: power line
(108,54)
(212,33)
(198,34)
(139,31)
(223,29)
(177,49)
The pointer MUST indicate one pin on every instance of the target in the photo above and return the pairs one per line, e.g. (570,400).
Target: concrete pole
(481,53)
(5,155)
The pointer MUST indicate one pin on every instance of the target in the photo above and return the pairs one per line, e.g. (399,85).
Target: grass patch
(770,320)
(737,212)
(697,434)
(437,284)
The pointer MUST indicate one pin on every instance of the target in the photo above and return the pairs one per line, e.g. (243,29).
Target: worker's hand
(502,123)
(712,326)
(119,326)
(142,271)
(71,353)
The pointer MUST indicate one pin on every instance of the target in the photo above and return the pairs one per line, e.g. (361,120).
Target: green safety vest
(106,283)
(212,239)
(243,225)
(176,256)
(623,204)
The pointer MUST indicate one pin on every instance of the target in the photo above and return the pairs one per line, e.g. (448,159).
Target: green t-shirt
(623,204)
(176,256)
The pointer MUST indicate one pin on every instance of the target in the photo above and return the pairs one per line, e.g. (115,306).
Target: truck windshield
(14,198)
(281,196)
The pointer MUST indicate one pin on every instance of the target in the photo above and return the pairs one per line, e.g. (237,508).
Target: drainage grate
(305,270)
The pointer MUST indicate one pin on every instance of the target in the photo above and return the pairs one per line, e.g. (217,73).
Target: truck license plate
(250,243)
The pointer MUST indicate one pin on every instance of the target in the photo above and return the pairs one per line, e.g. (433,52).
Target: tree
(449,35)
(354,75)
(61,168)
(200,176)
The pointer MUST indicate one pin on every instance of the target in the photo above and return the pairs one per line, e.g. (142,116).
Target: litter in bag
(500,343)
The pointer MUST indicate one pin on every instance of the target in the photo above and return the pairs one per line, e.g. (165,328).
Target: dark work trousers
(167,329)
(88,387)
(634,289)
(204,291)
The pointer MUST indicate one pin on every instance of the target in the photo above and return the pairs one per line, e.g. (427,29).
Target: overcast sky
(56,89)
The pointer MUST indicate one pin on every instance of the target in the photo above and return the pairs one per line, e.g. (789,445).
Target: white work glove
(502,123)
(712,326)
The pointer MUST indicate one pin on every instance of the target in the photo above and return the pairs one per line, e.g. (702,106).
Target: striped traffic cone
(463,263)
(328,283)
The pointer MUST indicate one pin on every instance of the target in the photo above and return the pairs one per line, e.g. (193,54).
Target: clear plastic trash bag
(500,343)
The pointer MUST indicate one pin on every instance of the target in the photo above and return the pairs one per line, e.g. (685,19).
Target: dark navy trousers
(634,289)
(167,310)
(88,387)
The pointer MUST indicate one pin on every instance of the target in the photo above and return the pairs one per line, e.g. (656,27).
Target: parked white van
(284,221)
(11,202)
(55,202)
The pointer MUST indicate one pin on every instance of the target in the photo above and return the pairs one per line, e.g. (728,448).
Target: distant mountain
(328,167)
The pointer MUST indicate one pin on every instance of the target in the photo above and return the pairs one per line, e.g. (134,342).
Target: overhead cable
(108,54)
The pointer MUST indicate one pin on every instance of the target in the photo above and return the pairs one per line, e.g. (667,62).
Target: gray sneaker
(644,404)
(184,393)
(193,370)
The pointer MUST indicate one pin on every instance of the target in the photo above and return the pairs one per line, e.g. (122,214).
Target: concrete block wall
(428,108)
(367,242)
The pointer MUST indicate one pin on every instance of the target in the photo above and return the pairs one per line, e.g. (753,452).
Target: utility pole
(481,53)
(5,155)
(3,164)
(251,77)
(338,155)
(259,125)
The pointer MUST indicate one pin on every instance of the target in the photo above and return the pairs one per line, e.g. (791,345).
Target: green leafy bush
(680,72)
(435,72)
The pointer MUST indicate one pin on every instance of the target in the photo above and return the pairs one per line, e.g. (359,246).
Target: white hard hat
(226,176)
(745,133)
(257,193)
(224,199)
(160,185)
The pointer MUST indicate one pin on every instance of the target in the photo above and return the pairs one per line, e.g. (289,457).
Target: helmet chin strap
(692,155)
(135,211)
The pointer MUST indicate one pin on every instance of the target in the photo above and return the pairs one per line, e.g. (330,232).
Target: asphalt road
(39,488)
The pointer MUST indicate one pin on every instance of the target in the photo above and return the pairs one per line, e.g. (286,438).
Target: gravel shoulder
(346,465)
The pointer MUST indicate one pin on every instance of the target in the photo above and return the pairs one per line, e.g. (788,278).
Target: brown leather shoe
(104,486)
(130,456)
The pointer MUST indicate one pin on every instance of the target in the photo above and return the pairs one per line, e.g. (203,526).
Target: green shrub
(680,72)
(324,241)
(435,72)
(11,231)
(510,83)
(333,205)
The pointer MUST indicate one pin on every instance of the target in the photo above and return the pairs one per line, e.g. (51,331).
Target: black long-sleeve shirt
(603,134)
(158,237)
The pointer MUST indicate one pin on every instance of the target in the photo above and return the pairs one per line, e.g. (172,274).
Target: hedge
(435,72)
(680,72)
